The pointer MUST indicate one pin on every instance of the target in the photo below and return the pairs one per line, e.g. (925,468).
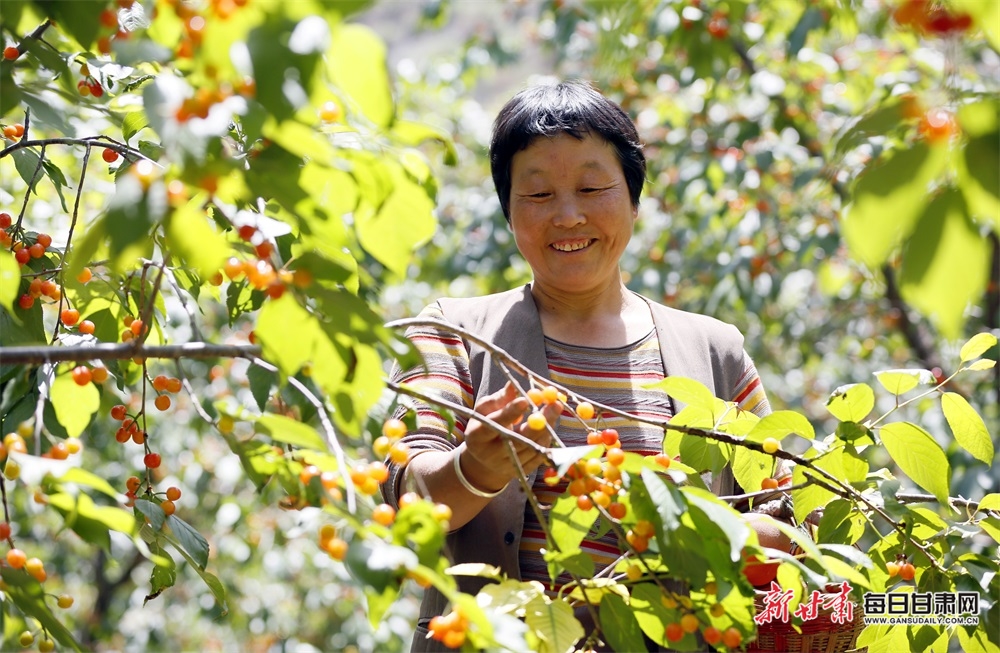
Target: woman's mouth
(573,245)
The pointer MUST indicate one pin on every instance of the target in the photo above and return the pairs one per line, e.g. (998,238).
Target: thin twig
(89,141)
(69,239)
(468,413)
(328,430)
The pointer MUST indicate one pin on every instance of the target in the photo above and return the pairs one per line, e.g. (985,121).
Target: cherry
(617,510)
(22,255)
(5,220)
(585,410)
(70,316)
(609,437)
(162,402)
(44,240)
(330,112)
(394,429)
(151,460)
(384,514)
(16,558)
(769,484)
(674,632)
(132,484)
(173,493)
(11,52)
(81,375)
(770,445)
(26,301)
(64,601)
(109,155)
(690,623)
(168,507)
(118,412)
(907,571)
(37,250)
(892,568)
(85,275)
(86,327)
(712,635)
(731,637)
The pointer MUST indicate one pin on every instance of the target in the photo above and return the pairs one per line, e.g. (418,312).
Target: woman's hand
(486,461)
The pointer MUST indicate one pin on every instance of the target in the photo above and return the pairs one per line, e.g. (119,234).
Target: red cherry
(109,155)
(151,460)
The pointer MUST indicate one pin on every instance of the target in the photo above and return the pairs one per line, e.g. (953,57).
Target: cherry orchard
(192,346)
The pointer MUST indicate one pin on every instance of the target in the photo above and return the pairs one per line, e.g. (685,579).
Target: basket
(819,635)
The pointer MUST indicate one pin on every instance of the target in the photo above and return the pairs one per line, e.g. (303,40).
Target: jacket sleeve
(445,373)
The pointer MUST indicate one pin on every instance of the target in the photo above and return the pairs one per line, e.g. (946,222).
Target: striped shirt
(614,377)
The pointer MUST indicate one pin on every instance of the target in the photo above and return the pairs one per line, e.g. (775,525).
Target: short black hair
(571,107)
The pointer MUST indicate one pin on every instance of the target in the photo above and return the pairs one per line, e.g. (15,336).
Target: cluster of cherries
(901,567)
(260,272)
(929,17)
(16,558)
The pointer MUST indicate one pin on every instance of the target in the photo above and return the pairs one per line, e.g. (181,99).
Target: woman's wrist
(466,483)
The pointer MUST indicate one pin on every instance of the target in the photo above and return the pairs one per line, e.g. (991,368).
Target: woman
(569,169)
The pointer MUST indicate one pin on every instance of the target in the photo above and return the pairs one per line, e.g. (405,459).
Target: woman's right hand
(486,462)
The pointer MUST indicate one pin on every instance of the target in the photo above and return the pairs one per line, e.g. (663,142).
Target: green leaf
(981,365)
(569,524)
(969,429)
(261,382)
(133,122)
(781,423)
(191,541)
(945,263)
(991,526)
(357,66)
(688,391)
(287,430)
(193,240)
(619,626)
(377,563)
(724,517)
(554,624)
(920,457)
(989,502)
(10,279)
(75,405)
(26,163)
(888,200)
(79,476)
(977,174)
(288,334)
(750,468)
(574,561)
(669,502)
(392,229)
(82,506)
(851,403)
(274,62)
(648,609)
(153,513)
(840,523)
(902,381)
(416,527)
(977,345)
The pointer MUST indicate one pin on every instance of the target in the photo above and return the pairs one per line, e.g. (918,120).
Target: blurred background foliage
(816,177)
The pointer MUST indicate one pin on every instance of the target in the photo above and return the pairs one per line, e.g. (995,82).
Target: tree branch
(35,355)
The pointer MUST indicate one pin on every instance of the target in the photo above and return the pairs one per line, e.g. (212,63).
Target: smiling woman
(569,169)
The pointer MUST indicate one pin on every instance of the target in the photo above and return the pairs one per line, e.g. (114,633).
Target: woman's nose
(568,213)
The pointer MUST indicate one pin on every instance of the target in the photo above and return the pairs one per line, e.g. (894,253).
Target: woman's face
(570,212)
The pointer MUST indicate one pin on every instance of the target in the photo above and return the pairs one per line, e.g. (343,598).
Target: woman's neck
(612,317)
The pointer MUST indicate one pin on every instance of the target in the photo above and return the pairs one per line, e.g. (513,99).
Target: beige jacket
(691,345)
